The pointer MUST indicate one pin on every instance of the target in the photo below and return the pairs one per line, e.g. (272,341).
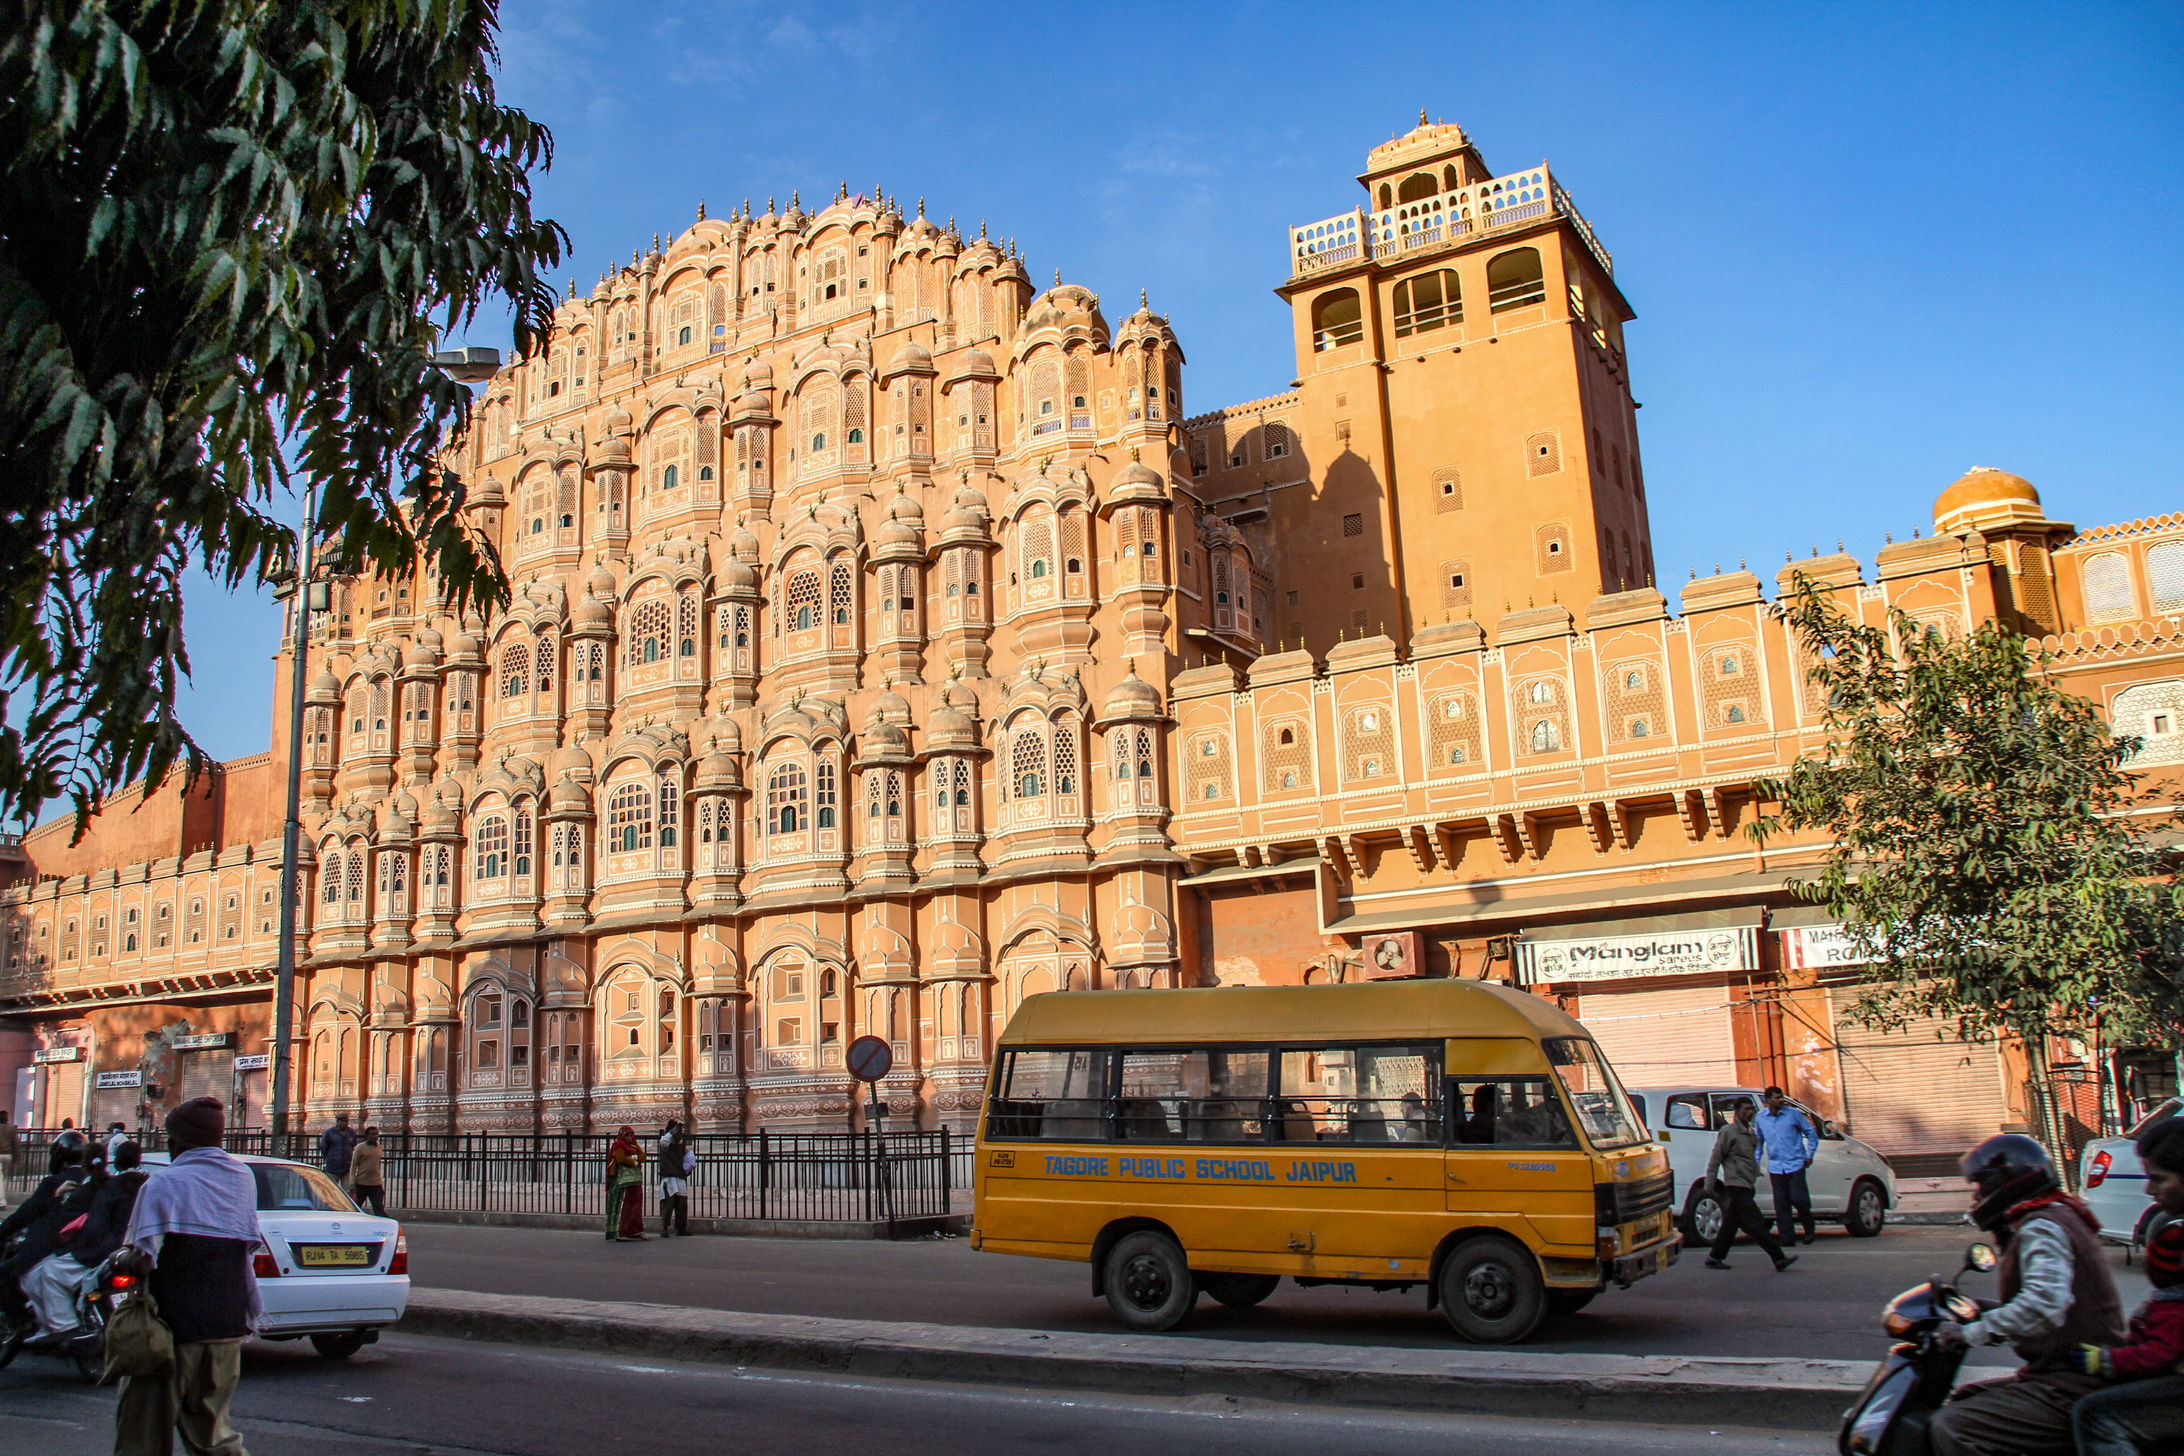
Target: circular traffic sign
(869,1058)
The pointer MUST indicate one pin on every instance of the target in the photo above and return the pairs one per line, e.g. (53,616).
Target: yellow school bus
(1452,1134)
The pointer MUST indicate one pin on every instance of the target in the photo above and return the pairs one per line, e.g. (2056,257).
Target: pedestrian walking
(365,1179)
(1732,1170)
(336,1145)
(2145,1408)
(625,1188)
(195,1228)
(676,1161)
(1790,1141)
(116,1134)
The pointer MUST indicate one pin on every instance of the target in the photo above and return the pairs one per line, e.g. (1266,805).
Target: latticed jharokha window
(1427,302)
(629,819)
(823,794)
(491,844)
(840,590)
(648,632)
(785,799)
(687,621)
(803,610)
(1028,764)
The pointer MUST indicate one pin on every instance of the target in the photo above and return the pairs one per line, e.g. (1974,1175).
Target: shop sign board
(58,1054)
(255,1062)
(204,1041)
(1623,957)
(119,1079)
(1819,948)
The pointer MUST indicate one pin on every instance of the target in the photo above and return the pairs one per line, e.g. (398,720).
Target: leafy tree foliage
(1986,850)
(230,231)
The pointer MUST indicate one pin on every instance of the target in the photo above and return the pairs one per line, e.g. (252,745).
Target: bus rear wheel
(1149,1282)
(1491,1290)
(1239,1291)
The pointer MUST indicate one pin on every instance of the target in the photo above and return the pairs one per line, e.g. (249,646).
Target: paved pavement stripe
(1794,1394)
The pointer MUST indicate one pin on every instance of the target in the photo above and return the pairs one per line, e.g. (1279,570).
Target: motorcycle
(85,1345)
(1891,1414)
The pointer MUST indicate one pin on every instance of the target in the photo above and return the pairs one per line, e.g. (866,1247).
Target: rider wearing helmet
(2057,1295)
(36,1218)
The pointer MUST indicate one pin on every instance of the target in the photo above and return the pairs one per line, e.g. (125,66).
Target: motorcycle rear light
(399,1264)
(2096,1172)
(121,1281)
(263,1265)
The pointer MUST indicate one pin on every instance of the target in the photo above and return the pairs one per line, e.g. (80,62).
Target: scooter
(85,1345)
(1892,1413)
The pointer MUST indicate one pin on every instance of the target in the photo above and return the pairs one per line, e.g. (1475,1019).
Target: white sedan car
(1850,1183)
(2113,1182)
(325,1270)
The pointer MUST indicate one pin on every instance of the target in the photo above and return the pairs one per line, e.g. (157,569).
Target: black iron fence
(818,1177)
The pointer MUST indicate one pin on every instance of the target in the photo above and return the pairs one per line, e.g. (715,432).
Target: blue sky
(1868,247)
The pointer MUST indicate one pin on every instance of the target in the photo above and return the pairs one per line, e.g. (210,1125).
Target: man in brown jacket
(365,1179)
(1733,1171)
(2057,1295)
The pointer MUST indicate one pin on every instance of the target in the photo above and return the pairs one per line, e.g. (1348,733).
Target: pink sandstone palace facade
(888,644)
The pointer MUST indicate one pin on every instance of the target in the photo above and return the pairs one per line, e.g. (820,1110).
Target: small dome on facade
(570,797)
(951,727)
(325,688)
(736,574)
(911,356)
(592,614)
(570,760)
(1132,697)
(1986,496)
(419,655)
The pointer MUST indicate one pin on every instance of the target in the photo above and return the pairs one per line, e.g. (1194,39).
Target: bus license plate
(334,1256)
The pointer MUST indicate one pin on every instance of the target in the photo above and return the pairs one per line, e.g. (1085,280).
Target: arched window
(629,819)
(1028,762)
(670,798)
(682,336)
(1337,319)
(516,671)
(1427,302)
(491,845)
(1735,713)
(819,442)
(841,589)
(823,793)
(544,675)
(962,784)
(519,847)
(331,877)
(668,476)
(1729,665)
(1541,691)
(785,798)
(1514,279)
(1545,737)
(1417,187)
(1038,568)
(804,600)
(648,626)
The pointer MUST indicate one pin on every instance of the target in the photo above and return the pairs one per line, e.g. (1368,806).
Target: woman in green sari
(625,1189)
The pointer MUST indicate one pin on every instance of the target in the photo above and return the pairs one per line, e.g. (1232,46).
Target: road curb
(1805,1395)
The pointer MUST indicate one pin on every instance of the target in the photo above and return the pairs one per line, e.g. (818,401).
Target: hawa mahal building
(890,641)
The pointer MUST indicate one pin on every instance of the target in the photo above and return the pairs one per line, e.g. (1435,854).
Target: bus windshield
(1602,1109)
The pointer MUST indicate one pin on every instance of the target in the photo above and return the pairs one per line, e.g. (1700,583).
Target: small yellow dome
(1985,496)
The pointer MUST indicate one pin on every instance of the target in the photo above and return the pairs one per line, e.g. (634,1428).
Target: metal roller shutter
(1664,1038)
(204,1074)
(1910,1094)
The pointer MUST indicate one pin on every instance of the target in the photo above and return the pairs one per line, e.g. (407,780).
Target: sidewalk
(1785,1394)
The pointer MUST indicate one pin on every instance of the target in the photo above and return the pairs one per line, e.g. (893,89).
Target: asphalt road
(422,1397)
(1826,1307)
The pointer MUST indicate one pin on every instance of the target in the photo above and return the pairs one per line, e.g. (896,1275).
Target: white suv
(1850,1183)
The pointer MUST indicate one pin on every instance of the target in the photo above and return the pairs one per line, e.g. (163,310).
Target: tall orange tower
(1465,437)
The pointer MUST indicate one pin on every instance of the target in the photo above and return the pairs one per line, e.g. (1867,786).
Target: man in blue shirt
(1790,1142)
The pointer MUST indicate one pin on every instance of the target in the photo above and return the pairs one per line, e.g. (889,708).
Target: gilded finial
(1421,116)
(701,209)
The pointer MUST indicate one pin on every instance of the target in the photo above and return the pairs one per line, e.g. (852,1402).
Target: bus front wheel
(1491,1290)
(1149,1282)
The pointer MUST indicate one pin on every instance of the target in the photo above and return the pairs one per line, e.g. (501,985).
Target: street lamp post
(307,588)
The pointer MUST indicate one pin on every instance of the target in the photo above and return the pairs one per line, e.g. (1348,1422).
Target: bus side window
(1213,1095)
(1371,1094)
(1058,1095)
(1520,1112)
